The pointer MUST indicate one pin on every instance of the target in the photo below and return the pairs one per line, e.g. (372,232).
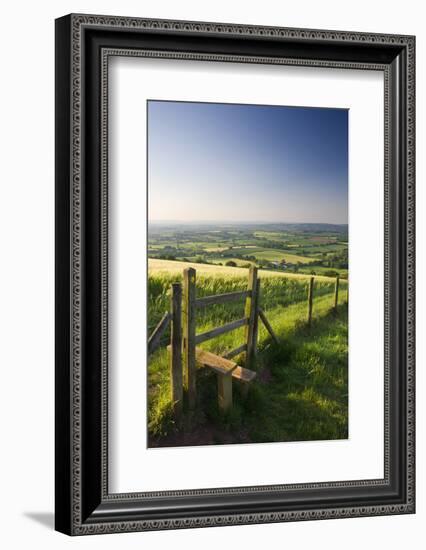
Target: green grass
(271,254)
(300,392)
(321,270)
(274,291)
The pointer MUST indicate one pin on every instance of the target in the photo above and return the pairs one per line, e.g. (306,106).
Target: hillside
(300,392)
(156,266)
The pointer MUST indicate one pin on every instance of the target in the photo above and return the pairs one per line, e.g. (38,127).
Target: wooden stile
(226,371)
(217,363)
(243,375)
(310,298)
(183,353)
(175,355)
(188,344)
(224,368)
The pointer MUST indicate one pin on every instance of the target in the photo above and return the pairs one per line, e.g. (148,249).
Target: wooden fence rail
(267,325)
(160,329)
(236,351)
(220,298)
(214,332)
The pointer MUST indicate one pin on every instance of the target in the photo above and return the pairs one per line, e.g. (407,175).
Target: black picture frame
(83,504)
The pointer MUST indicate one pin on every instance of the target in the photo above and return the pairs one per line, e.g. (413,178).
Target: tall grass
(274,291)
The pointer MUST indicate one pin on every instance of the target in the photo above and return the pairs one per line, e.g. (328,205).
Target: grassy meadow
(301,389)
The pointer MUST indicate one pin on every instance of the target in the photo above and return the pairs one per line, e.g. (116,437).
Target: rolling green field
(306,248)
(301,389)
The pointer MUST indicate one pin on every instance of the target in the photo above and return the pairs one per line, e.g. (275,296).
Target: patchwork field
(311,249)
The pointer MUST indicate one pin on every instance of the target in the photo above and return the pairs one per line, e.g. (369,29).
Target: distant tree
(231,263)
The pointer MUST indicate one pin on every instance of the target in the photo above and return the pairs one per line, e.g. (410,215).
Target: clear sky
(251,163)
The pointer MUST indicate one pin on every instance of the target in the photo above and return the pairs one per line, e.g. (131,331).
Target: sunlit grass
(301,389)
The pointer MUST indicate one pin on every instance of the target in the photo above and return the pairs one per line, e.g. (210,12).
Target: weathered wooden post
(256,317)
(188,347)
(175,356)
(250,313)
(224,391)
(310,297)
(336,292)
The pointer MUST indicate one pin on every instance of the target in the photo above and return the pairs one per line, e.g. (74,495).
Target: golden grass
(156,266)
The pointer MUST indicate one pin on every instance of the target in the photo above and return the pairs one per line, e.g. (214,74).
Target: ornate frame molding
(72,46)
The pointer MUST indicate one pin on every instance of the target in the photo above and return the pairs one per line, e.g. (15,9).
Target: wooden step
(215,362)
(243,375)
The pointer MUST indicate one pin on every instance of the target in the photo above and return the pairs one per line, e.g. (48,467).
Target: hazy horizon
(241,222)
(247,164)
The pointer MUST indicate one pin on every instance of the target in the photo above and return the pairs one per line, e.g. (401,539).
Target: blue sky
(246,163)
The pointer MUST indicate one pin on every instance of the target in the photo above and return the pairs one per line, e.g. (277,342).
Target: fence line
(183,338)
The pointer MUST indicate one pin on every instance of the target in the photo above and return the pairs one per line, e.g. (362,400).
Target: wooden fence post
(336,292)
(250,313)
(176,349)
(224,391)
(188,321)
(310,297)
(256,317)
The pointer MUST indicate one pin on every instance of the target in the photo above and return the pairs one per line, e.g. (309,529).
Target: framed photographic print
(234,274)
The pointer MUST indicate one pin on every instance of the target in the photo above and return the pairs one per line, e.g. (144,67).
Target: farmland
(301,388)
(318,249)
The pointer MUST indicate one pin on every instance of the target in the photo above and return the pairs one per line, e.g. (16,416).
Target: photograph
(248,273)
